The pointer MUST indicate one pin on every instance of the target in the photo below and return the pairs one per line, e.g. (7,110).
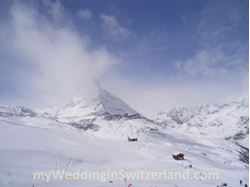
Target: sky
(153,54)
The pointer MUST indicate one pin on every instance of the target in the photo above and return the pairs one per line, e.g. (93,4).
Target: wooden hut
(132,139)
(179,156)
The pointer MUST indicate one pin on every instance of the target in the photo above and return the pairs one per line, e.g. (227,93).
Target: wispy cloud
(55,9)
(112,28)
(214,64)
(222,53)
(85,14)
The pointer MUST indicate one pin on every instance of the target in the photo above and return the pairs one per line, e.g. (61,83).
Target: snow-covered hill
(91,133)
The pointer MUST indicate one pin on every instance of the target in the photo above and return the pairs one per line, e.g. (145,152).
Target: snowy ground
(31,144)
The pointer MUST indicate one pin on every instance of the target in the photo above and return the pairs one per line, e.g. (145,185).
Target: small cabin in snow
(179,156)
(132,139)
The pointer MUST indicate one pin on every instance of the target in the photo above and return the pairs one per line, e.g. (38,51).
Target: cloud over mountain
(61,59)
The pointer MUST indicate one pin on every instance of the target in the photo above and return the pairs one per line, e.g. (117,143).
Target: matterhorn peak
(97,102)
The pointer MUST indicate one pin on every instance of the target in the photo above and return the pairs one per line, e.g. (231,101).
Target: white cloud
(202,64)
(84,14)
(213,64)
(113,30)
(59,59)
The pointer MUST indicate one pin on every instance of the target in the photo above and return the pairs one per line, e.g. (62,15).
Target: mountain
(100,103)
(101,113)
(91,132)
(226,119)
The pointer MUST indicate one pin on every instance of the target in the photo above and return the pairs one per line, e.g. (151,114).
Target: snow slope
(92,134)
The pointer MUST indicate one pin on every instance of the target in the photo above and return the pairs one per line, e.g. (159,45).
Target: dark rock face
(243,154)
(239,136)
(17,111)
(228,138)
(25,112)
(244,121)
(85,125)
(109,116)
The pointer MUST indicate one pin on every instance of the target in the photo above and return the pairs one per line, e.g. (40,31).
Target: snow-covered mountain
(92,132)
(100,103)
(226,119)
(102,114)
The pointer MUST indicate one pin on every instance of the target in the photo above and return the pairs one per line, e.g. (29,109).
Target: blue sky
(164,49)
(163,32)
